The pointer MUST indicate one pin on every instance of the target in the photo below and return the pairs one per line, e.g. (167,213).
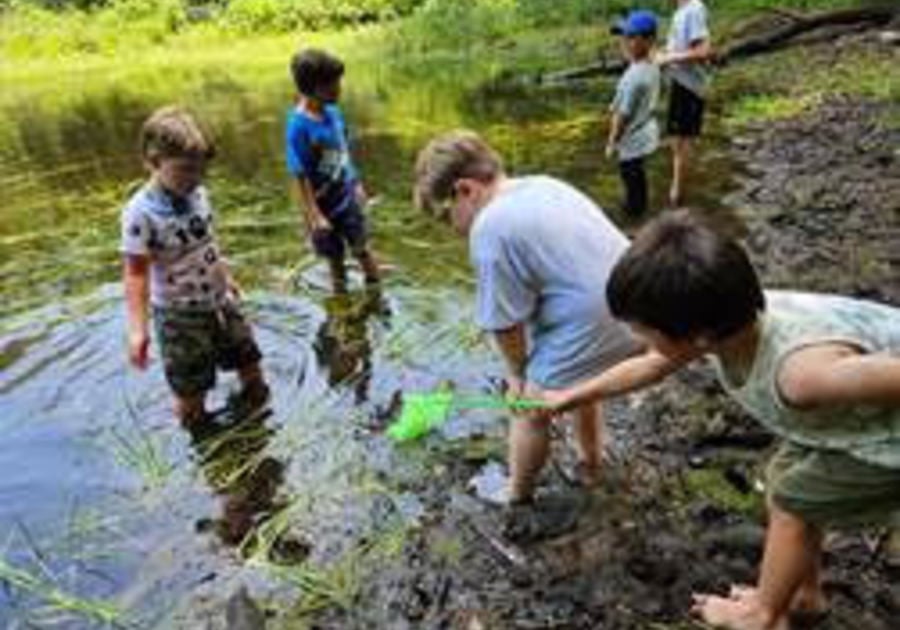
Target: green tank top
(794,320)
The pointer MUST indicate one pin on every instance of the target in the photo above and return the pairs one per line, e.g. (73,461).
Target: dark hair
(682,278)
(313,68)
(172,131)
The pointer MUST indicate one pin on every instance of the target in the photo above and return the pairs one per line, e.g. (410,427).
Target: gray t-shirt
(635,99)
(185,269)
(689,25)
(542,252)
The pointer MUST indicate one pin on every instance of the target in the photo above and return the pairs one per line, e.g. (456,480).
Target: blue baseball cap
(636,23)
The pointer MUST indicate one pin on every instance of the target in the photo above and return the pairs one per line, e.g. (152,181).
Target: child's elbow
(800,390)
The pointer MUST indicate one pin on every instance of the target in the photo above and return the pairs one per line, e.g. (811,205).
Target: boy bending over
(820,371)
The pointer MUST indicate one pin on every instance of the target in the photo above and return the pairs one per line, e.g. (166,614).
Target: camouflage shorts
(194,343)
(830,488)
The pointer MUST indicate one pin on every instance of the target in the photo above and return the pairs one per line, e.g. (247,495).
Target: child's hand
(138,349)
(661,58)
(557,400)
(234,289)
(318,223)
(609,151)
(362,197)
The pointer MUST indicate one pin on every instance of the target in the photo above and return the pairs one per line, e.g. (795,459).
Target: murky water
(103,497)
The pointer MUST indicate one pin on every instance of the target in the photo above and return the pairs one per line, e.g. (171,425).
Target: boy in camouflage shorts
(171,260)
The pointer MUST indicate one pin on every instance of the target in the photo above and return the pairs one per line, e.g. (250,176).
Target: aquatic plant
(59,605)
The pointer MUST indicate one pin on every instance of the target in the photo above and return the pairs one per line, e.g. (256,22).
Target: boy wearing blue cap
(633,132)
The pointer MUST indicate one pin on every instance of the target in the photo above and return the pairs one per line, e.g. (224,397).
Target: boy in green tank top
(820,371)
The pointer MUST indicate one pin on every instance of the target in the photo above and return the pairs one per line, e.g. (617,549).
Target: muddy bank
(821,198)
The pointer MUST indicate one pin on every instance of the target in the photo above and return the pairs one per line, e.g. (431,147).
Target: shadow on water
(103,495)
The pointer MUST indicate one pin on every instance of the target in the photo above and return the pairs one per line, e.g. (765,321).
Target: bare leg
(253,386)
(790,563)
(589,442)
(190,410)
(681,147)
(369,266)
(529,446)
(338,270)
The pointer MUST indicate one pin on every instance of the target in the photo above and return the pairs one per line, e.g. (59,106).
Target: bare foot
(743,613)
(804,602)
(588,475)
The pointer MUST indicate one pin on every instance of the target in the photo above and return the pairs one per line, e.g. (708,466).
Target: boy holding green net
(538,247)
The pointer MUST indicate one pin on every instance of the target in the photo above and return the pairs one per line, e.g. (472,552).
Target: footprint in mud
(547,517)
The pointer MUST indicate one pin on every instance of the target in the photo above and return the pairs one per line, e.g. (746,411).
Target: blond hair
(448,158)
(172,131)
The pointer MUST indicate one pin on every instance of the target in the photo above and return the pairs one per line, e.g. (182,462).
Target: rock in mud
(242,613)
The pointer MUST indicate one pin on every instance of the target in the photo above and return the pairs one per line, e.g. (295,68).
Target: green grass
(785,84)
(712,485)
(59,605)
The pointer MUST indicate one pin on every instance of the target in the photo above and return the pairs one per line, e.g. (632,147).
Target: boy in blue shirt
(633,132)
(329,190)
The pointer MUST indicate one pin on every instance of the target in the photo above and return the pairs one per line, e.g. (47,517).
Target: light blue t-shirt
(319,150)
(635,100)
(542,253)
(689,25)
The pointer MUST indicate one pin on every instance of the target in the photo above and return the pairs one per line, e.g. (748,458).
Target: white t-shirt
(177,235)
(689,25)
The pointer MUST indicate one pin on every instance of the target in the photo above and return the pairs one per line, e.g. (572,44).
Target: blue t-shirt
(319,150)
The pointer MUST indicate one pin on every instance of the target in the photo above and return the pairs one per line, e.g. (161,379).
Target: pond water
(107,510)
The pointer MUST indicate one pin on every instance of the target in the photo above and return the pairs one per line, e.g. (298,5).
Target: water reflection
(239,469)
(343,346)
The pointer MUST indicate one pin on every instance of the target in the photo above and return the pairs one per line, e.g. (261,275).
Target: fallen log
(780,36)
(797,29)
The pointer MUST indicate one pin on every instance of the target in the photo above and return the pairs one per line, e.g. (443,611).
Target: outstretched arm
(628,376)
(839,374)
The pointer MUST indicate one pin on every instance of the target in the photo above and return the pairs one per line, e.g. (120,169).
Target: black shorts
(348,229)
(685,112)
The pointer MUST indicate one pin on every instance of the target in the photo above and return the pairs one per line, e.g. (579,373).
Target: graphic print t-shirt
(177,235)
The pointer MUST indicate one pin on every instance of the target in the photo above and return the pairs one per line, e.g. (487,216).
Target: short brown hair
(447,159)
(683,279)
(172,131)
(313,68)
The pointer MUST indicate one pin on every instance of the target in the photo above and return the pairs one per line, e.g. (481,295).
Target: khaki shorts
(194,343)
(832,488)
